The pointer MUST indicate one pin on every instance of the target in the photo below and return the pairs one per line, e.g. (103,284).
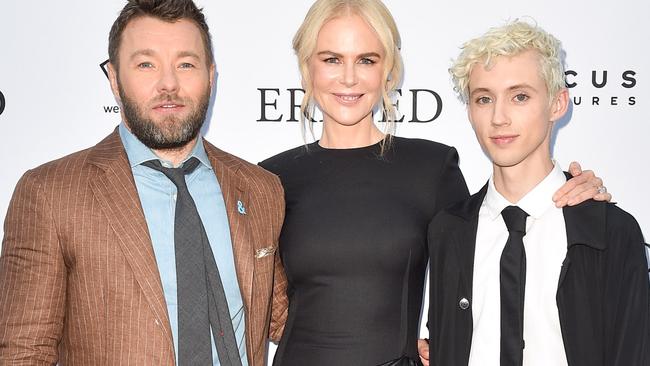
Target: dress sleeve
(451,187)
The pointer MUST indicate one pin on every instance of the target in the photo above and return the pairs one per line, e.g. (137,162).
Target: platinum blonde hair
(509,40)
(379,18)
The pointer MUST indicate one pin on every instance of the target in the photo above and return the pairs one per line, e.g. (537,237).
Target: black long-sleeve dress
(354,247)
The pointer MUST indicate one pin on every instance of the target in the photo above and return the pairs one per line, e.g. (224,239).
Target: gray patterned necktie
(202,303)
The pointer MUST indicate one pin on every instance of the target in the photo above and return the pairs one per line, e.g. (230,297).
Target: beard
(171,132)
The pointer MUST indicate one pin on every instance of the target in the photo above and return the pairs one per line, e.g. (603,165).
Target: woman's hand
(583,186)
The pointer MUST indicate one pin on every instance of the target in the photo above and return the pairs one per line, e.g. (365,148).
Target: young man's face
(510,111)
(163,82)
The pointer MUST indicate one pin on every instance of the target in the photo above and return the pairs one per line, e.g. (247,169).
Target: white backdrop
(57,99)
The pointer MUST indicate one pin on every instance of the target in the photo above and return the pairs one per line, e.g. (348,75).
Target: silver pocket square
(263,252)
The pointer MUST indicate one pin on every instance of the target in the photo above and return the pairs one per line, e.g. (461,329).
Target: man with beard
(152,247)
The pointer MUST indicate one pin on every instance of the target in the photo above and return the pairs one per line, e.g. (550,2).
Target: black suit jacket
(603,295)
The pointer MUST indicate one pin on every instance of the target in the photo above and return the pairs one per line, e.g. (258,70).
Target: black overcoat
(603,294)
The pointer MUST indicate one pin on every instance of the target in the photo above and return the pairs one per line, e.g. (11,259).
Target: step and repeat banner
(55,96)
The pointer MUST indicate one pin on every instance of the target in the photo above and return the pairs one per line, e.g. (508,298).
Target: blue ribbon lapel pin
(240,208)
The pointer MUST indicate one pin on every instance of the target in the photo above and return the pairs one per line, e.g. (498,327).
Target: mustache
(171,98)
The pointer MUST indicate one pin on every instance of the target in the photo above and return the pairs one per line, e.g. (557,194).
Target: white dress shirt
(546,245)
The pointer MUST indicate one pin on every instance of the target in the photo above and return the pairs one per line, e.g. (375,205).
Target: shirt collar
(138,153)
(535,203)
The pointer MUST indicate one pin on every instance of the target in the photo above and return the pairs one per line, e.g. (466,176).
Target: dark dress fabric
(354,247)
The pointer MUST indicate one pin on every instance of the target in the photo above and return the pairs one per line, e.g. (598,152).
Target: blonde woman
(358,200)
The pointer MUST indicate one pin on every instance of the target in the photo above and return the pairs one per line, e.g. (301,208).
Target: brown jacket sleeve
(280,302)
(32,279)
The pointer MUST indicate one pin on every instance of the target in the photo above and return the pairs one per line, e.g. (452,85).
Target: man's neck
(514,182)
(176,156)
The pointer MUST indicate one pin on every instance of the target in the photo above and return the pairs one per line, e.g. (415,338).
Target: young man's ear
(560,105)
(112,78)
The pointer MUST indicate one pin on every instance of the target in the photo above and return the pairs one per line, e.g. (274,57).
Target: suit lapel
(117,195)
(236,199)
(465,245)
(466,239)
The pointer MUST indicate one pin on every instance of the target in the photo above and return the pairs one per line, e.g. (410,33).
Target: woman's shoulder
(420,147)
(281,161)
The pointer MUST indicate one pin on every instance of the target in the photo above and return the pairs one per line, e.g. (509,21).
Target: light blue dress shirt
(158,198)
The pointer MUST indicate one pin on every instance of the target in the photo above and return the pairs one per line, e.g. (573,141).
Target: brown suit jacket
(79,282)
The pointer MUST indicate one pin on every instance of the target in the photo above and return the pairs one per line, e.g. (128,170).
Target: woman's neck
(337,136)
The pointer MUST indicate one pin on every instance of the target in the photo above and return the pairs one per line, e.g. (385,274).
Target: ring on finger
(601,190)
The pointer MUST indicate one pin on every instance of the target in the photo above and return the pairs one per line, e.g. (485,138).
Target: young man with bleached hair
(515,280)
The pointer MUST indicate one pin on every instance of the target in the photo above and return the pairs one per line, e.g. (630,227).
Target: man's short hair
(166,10)
(509,40)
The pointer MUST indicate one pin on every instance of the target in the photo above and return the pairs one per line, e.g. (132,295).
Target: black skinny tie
(202,303)
(513,283)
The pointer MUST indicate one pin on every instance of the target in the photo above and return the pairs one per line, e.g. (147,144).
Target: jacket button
(463,303)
